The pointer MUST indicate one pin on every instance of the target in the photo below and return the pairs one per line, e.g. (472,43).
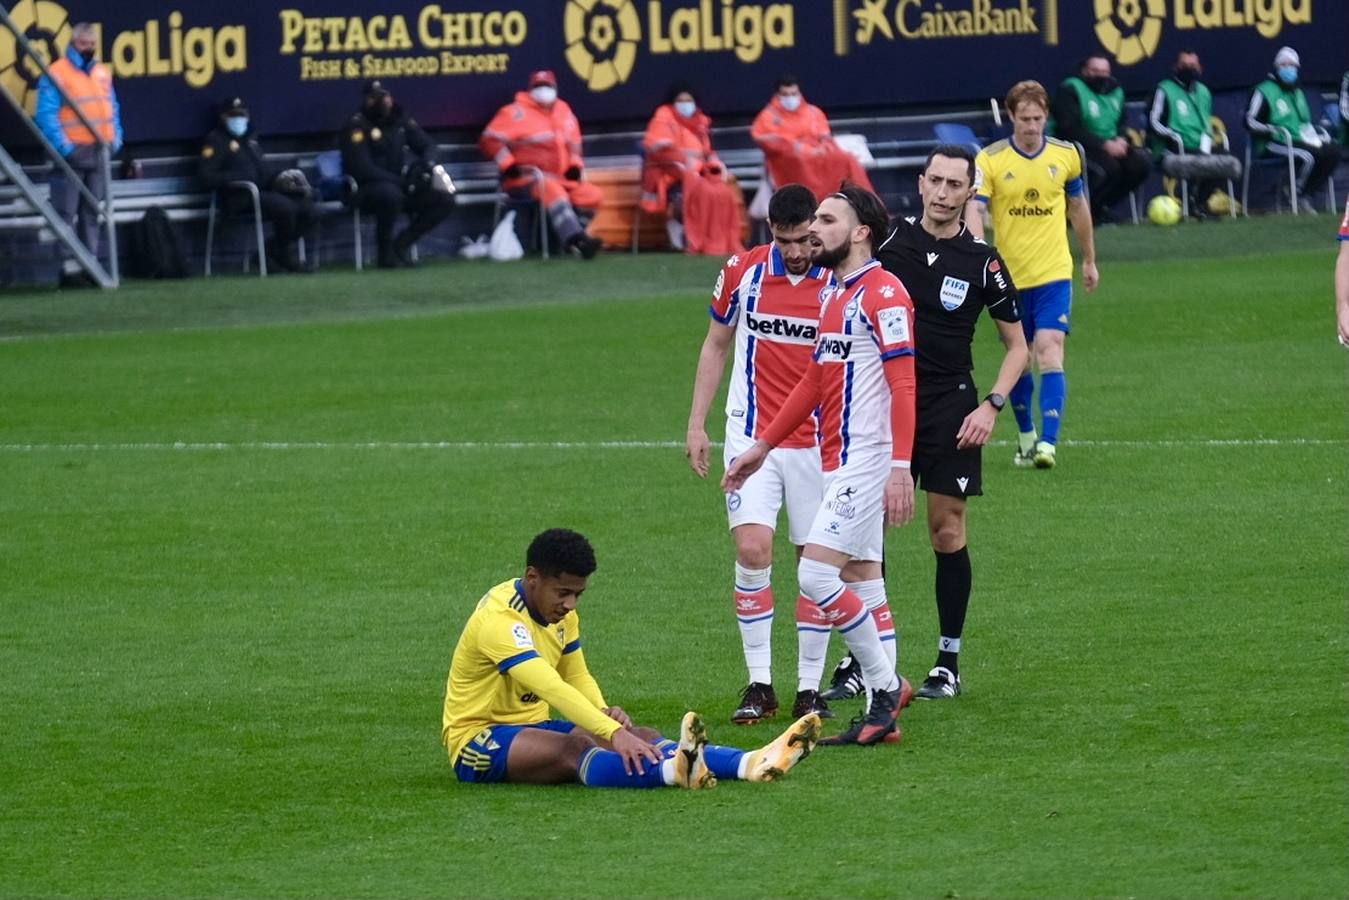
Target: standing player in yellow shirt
(1028,184)
(520,654)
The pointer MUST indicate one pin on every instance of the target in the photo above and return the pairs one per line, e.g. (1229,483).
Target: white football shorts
(790,475)
(851,517)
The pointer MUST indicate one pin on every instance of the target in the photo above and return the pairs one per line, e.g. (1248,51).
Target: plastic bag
(474,248)
(505,245)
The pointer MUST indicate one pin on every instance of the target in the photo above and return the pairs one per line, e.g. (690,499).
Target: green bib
(1187,114)
(1100,112)
(1287,109)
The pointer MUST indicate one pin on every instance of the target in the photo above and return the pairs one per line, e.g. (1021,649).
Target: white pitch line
(208,446)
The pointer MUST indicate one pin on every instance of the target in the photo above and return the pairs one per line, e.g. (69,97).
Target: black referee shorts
(938,466)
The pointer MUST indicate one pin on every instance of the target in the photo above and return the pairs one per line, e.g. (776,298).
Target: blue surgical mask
(237,125)
(686,108)
(792,103)
(1287,74)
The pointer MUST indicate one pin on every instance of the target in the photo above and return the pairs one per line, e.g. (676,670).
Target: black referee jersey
(951,281)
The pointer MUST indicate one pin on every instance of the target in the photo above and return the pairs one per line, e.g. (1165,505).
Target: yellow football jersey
(1027,197)
(509,667)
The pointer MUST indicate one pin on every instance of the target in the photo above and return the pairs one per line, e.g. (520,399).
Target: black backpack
(155,249)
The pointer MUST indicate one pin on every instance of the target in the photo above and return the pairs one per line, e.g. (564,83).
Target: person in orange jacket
(88,84)
(798,146)
(682,175)
(536,142)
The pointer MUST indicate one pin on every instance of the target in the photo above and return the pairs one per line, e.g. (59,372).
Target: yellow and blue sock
(1022,394)
(1053,394)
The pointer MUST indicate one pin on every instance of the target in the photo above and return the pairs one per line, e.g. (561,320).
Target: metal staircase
(13,173)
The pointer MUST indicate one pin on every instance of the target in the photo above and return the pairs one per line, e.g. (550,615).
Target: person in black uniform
(953,277)
(231,152)
(373,146)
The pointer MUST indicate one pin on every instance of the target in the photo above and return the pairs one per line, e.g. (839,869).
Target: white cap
(1287,56)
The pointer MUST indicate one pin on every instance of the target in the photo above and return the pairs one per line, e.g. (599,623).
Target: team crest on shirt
(733,501)
(1053,171)
(850,311)
(953,293)
(561,633)
(521,635)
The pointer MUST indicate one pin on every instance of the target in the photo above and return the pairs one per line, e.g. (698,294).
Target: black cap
(375,88)
(234,107)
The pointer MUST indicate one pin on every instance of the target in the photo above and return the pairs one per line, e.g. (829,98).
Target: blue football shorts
(483,759)
(1047,306)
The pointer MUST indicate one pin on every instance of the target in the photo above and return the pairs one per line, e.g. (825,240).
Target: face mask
(237,125)
(87,56)
(686,108)
(792,103)
(544,95)
(1101,84)
(1287,74)
(1187,75)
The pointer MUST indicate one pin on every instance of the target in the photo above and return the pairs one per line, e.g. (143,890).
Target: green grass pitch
(244,521)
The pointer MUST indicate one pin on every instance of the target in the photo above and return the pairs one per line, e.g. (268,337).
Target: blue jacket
(49,105)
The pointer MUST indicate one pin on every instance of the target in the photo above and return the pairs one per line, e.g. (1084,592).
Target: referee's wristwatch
(998,401)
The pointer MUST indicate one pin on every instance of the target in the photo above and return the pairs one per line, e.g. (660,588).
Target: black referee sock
(953,599)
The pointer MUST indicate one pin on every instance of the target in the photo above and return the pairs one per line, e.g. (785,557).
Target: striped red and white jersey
(776,318)
(865,321)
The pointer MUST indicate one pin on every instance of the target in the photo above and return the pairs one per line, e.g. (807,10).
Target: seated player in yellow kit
(520,654)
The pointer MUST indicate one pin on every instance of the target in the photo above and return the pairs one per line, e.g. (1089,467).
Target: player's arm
(572,667)
(1342,290)
(800,403)
(894,335)
(976,208)
(711,365)
(1079,216)
(543,680)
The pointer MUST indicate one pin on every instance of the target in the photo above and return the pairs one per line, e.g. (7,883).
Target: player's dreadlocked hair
(560,550)
(869,209)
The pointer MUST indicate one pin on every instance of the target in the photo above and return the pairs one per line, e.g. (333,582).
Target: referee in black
(953,277)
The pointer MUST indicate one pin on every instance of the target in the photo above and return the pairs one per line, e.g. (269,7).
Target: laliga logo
(1130,29)
(47,28)
(196,54)
(601,38)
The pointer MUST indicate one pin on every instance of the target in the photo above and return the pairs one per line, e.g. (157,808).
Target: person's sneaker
(771,762)
(758,702)
(1044,455)
(690,765)
(1025,450)
(846,682)
(1306,207)
(674,231)
(940,684)
(811,702)
(880,723)
(585,246)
